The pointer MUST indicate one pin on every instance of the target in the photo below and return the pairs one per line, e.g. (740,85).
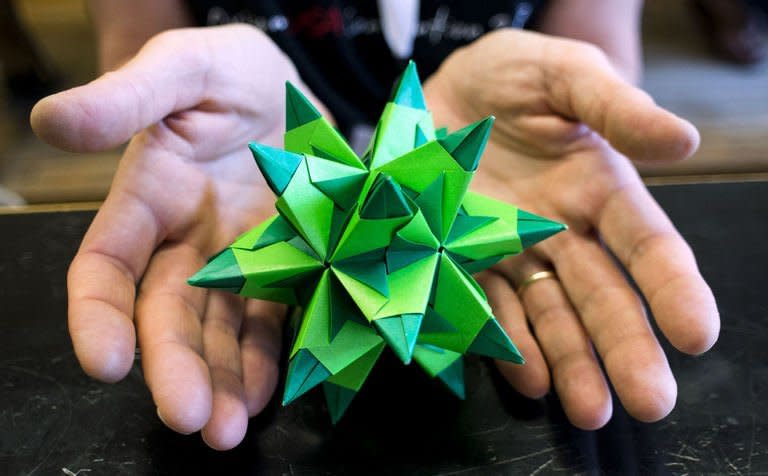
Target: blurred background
(48,45)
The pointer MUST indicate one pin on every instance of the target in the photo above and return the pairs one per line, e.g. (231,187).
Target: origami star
(377,249)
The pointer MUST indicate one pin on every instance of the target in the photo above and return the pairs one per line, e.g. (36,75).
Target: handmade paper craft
(377,250)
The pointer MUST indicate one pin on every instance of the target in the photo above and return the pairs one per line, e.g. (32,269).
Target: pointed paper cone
(338,399)
(493,342)
(385,200)
(304,373)
(298,109)
(533,228)
(466,145)
(277,166)
(222,272)
(453,378)
(407,91)
(401,333)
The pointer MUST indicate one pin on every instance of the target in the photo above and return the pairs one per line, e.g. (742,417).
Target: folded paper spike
(377,251)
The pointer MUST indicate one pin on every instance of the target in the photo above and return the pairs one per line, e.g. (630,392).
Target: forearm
(612,25)
(123,26)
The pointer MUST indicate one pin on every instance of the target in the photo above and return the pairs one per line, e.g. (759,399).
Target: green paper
(434,360)
(277,166)
(309,210)
(371,273)
(271,231)
(222,272)
(466,145)
(385,200)
(343,308)
(533,228)
(338,399)
(493,238)
(307,132)
(412,286)
(492,341)
(304,373)
(340,182)
(268,266)
(367,299)
(353,375)
(420,138)
(441,186)
(402,253)
(458,302)
(298,110)
(407,90)
(316,328)
(465,224)
(417,231)
(453,377)
(351,343)
(430,202)
(434,323)
(401,333)
(363,235)
(342,387)
(377,250)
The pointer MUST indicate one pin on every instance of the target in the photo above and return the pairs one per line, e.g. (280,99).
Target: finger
(101,285)
(584,86)
(168,319)
(532,378)
(664,267)
(616,323)
(162,78)
(175,71)
(576,374)
(260,346)
(221,327)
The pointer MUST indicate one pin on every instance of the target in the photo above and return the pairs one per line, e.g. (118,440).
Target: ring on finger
(537,276)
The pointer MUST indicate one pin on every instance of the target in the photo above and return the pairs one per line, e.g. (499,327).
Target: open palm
(566,126)
(193,99)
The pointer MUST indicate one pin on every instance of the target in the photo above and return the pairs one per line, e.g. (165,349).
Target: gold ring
(537,276)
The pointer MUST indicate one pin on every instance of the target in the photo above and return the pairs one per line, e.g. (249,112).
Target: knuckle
(501,34)
(604,299)
(550,317)
(649,243)
(588,52)
(167,38)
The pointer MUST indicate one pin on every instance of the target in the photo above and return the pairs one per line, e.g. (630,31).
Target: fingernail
(202,435)
(160,416)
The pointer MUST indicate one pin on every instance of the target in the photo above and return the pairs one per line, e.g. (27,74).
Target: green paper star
(377,249)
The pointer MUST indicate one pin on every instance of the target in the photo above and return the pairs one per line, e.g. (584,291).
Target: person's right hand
(190,100)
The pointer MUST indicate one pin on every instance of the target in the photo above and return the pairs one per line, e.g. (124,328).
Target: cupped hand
(190,100)
(566,129)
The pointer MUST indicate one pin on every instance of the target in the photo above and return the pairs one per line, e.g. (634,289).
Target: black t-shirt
(340,50)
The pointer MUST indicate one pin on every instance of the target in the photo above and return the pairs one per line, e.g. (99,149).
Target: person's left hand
(566,126)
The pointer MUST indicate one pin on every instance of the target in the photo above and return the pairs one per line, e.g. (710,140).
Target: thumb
(167,75)
(232,68)
(584,86)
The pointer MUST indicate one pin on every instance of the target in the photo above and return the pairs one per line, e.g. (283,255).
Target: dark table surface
(55,420)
